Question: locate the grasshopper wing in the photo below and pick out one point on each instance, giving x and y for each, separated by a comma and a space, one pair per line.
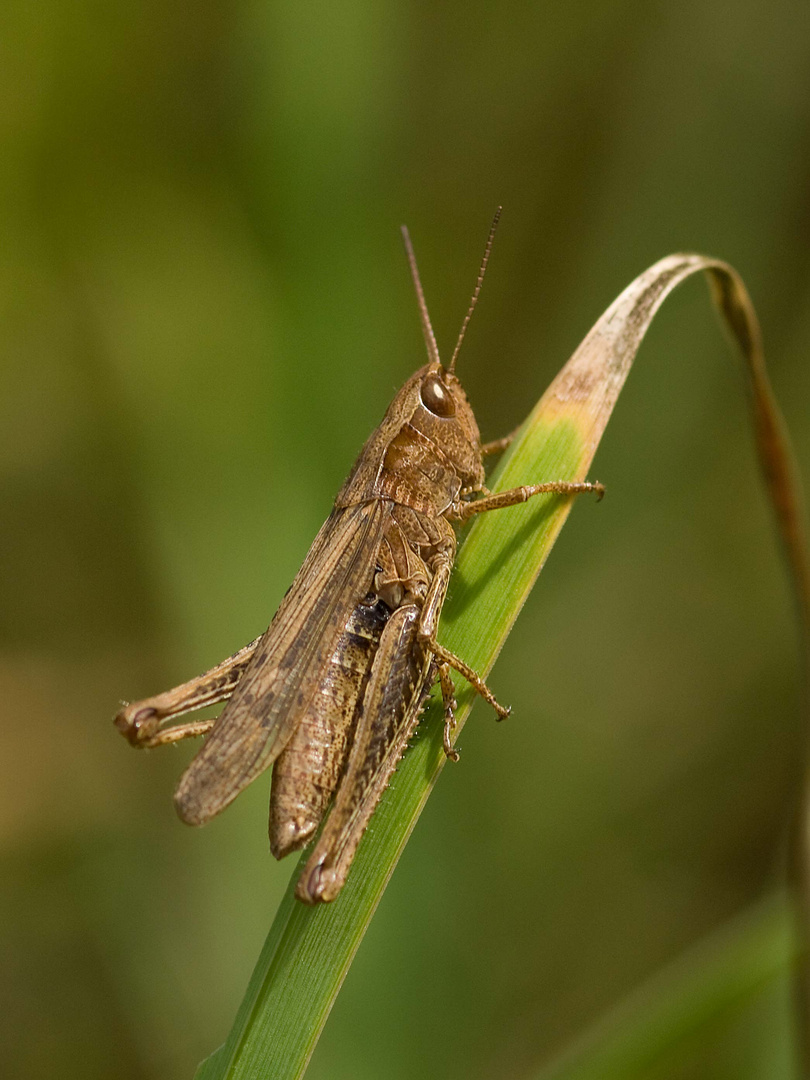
289, 662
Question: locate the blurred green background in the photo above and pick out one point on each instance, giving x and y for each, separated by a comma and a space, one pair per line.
205, 310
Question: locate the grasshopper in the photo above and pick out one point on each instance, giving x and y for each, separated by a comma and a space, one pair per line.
331, 693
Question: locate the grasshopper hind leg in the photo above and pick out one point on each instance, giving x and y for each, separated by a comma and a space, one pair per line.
143, 723
148, 736
401, 674
308, 770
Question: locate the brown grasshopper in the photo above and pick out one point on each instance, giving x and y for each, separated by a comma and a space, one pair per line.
331, 693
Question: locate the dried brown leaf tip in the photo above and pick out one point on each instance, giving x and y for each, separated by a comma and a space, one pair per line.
587, 387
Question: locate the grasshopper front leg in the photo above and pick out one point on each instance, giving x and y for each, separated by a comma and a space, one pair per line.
497, 446
463, 511
142, 722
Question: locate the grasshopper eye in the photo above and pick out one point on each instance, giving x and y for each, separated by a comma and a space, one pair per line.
436, 397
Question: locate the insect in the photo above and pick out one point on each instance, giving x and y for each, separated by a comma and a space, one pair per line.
331, 693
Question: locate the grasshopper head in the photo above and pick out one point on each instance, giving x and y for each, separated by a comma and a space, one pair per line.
444, 414
427, 450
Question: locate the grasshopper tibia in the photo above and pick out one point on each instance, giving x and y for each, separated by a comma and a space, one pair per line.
144, 732
450, 704
514, 496
444, 656
142, 722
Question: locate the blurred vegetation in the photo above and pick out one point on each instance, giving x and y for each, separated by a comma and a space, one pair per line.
204, 311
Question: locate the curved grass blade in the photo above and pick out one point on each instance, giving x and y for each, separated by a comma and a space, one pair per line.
309, 950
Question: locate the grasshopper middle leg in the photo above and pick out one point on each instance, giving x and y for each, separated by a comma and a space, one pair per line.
428, 625
444, 656
442, 565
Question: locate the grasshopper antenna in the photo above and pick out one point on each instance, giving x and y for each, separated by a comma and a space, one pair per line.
478, 285
427, 329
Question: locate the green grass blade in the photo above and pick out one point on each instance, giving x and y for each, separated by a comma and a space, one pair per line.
308, 950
